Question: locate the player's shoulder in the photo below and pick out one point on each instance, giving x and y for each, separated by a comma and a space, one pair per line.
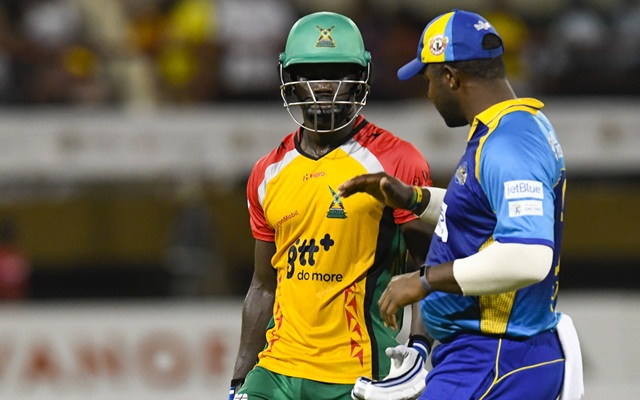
518, 129
377, 138
273, 157
519, 138
522, 121
277, 153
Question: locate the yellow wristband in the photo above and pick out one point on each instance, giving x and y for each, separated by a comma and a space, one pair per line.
416, 199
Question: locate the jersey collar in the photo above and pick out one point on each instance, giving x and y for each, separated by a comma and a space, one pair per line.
360, 123
493, 114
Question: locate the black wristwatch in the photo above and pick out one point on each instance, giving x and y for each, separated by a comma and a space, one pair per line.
424, 278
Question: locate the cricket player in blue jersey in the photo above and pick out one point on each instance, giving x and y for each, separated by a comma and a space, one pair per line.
489, 287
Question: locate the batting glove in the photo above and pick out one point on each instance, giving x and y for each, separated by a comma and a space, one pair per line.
406, 379
235, 386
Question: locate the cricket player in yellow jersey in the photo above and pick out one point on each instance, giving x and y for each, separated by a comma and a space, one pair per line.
310, 323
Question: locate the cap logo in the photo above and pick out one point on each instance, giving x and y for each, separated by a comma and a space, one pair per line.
482, 25
438, 44
325, 39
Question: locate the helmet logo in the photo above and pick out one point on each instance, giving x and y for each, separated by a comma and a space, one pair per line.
325, 39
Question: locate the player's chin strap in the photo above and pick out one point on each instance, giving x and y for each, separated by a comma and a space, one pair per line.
406, 379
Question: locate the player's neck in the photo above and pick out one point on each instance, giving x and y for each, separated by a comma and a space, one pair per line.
317, 144
487, 95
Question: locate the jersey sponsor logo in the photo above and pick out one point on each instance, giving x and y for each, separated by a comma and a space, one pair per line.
303, 254
325, 39
318, 276
313, 175
521, 208
242, 396
286, 218
336, 209
461, 173
438, 44
441, 228
523, 189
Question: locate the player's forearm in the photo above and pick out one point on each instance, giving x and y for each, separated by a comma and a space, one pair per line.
256, 314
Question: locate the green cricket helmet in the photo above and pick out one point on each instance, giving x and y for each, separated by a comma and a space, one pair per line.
324, 37
324, 40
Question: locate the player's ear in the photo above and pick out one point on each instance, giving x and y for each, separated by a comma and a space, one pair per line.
367, 75
363, 75
287, 77
451, 77
289, 90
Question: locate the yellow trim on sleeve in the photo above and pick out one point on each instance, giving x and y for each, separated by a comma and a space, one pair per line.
491, 118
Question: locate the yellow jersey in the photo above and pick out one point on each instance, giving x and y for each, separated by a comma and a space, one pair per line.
334, 256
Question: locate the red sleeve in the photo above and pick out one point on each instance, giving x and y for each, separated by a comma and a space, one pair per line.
401, 159
412, 168
260, 228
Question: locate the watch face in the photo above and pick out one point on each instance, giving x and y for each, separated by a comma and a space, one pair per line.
423, 279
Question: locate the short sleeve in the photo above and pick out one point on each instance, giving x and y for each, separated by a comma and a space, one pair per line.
515, 173
260, 228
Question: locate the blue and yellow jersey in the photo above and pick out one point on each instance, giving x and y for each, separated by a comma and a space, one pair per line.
508, 187
334, 256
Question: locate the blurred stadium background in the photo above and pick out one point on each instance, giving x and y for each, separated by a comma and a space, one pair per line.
127, 131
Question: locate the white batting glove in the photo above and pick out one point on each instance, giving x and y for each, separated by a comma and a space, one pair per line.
406, 379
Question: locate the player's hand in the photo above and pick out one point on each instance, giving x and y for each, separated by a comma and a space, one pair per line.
235, 386
384, 187
406, 379
401, 291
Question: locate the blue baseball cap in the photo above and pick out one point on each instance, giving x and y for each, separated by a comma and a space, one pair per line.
454, 36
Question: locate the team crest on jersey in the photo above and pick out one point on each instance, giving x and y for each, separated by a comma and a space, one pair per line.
325, 39
336, 209
461, 174
438, 44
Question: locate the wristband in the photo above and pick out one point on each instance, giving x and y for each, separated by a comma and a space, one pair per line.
235, 385
420, 343
424, 275
416, 199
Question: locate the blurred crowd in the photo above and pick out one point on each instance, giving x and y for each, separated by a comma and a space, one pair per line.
147, 53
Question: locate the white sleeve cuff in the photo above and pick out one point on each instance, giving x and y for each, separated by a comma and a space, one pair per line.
431, 214
502, 267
